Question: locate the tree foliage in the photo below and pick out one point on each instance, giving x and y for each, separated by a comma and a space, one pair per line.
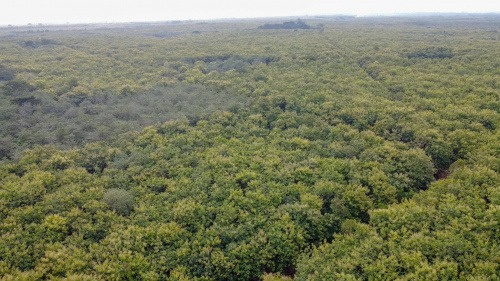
119, 200
216, 151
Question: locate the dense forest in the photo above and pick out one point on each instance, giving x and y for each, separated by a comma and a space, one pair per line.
357, 149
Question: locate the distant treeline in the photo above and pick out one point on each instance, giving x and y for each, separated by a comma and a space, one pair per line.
299, 24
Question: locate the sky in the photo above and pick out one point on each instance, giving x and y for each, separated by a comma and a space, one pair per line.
19, 12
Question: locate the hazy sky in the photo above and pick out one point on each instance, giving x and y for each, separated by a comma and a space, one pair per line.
79, 11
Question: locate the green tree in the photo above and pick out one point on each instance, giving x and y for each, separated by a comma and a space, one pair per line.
119, 200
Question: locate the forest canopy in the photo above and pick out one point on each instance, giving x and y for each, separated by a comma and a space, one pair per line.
366, 149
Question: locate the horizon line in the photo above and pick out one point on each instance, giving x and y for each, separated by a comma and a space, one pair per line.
215, 19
